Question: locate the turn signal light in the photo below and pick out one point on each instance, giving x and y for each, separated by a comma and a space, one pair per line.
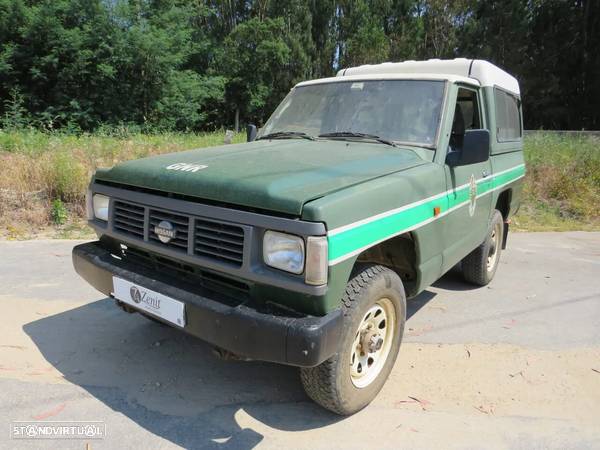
317, 263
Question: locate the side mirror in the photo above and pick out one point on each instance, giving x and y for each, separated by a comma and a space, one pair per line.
475, 149
251, 132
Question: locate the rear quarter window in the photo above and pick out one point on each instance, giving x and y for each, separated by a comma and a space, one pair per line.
508, 116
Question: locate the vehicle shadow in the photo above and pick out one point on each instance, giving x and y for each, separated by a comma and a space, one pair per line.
453, 281
170, 383
414, 304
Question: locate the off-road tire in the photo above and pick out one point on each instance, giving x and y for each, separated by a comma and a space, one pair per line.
475, 265
330, 384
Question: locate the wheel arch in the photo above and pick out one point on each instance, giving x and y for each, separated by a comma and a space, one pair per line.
398, 253
503, 203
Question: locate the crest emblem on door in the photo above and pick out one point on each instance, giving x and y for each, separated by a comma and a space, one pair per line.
472, 195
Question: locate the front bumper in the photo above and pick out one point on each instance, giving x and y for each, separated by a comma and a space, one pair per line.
299, 341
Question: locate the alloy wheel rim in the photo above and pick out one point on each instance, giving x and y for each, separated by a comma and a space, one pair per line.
372, 343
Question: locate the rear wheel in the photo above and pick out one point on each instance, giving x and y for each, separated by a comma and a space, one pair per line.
479, 266
374, 306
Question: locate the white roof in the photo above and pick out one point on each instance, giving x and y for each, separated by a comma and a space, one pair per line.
483, 71
391, 76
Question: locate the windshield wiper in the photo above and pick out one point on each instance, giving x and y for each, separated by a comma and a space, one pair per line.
287, 134
353, 134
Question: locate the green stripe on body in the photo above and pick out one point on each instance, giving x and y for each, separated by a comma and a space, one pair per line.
348, 242
509, 176
355, 238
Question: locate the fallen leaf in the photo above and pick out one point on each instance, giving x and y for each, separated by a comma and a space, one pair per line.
422, 403
52, 412
440, 307
489, 410
510, 324
420, 331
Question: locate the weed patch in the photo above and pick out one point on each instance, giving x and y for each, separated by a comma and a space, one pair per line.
44, 176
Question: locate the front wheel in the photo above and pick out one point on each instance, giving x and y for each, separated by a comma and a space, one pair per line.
479, 266
374, 306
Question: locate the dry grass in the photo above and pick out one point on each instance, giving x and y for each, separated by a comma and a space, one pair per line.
37, 168
562, 186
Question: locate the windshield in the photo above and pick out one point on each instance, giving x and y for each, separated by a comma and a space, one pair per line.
406, 111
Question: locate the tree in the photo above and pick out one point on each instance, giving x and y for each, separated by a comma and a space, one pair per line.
191, 64
254, 55
361, 38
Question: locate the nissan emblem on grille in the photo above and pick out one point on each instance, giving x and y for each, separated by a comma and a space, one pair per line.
165, 231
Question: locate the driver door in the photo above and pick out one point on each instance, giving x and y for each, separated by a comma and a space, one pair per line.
466, 224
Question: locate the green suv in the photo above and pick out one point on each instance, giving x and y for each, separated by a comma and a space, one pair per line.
302, 245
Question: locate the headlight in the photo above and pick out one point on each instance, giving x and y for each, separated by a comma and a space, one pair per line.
100, 206
283, 251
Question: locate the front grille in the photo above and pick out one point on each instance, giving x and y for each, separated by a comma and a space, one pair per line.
129, 219
219, 240
189, 277
180, 224
211, 239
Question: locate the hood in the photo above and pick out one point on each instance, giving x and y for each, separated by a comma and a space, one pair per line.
277, 175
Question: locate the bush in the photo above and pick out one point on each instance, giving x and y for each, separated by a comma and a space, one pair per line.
563, 180
66, 176
562, 185
58, 212
37, 166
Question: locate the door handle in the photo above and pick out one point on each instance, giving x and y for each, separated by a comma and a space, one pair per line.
485, 174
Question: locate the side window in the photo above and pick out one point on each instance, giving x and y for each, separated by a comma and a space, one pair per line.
467, 101
466, 116
508, 116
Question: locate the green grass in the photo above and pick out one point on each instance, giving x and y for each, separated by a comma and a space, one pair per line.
562, 185
116, 144
38, 168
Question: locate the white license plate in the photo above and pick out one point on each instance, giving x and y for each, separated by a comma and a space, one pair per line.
149, 301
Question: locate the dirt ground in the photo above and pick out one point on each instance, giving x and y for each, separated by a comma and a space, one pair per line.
512, 365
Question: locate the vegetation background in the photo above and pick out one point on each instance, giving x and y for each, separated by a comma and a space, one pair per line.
44, 177
194, 65
88, 83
